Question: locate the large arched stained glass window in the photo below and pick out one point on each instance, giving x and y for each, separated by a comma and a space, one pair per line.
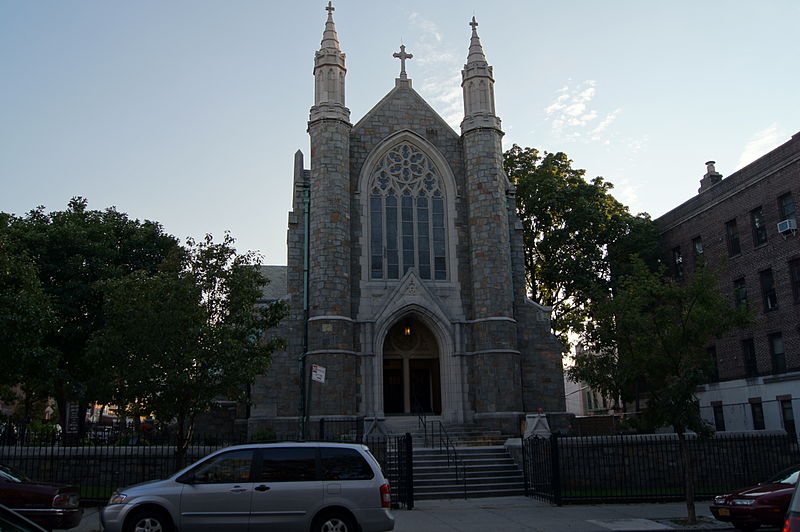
407, 221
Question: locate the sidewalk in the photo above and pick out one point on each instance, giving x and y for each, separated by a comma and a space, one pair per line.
511, 514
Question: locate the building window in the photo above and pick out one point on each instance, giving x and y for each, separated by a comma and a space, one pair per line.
749, 354
759, 229
777, 353
719, 418
677, 263
713, 370
768, 290
794, 279
757, 410
786, 207
697, 248
740, 292
787, 414
732, 235
407, 216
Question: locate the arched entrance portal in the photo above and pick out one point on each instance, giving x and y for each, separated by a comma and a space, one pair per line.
411, 376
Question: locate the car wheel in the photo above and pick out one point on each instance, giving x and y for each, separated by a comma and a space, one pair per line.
147, 520
333, 522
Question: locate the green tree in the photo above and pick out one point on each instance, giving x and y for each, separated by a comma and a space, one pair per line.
568, 225
73, 251
188, 335
649, 337
25, 317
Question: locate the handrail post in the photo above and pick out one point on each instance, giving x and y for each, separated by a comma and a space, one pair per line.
409, 487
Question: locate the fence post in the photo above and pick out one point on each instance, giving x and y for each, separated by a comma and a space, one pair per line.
322, 429
555, 476
409, 487
525, 466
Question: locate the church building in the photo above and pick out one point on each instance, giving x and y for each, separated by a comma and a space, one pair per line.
405, 272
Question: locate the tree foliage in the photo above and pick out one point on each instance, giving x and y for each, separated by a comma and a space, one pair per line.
189, 334
568, 225
25, 314
648, 338
73, 251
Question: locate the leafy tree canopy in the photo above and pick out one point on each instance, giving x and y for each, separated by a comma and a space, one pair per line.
569, 224
189, 334
73, 251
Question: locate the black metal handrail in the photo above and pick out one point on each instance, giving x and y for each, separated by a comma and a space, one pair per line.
439, 433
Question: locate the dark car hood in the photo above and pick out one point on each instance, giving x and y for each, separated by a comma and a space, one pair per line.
765, 489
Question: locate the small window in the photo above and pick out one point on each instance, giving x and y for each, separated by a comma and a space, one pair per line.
768, 293
677, 263
749, 355
227, 468
697, 248
757, 410
732, 235
794, 279
759, 229
719, 418
344, 464
713, 371
740, 292
287, 464
786, 207
777, 353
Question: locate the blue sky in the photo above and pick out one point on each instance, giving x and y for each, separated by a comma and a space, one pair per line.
189, 112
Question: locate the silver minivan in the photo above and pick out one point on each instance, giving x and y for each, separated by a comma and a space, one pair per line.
297, 486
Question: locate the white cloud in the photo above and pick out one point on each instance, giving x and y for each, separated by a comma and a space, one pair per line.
573, 111
760, 143
425, 25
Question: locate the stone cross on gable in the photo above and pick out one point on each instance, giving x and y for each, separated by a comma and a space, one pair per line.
402, 56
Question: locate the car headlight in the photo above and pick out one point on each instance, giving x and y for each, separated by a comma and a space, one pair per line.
743, 502
719, 499
117, 498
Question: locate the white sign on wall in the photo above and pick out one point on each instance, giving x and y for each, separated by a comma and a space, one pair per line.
318, 373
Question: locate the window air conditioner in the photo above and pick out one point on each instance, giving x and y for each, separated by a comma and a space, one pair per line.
790, 224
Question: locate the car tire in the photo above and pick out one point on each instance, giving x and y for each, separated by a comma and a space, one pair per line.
334, 522
148, 520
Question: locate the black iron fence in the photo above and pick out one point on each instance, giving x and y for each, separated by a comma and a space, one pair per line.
635, 468
120, 456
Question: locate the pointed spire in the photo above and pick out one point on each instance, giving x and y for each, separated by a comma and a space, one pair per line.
330, 40
329, 74
477, 82
475, 49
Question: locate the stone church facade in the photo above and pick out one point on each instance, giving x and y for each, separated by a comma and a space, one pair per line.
405, 273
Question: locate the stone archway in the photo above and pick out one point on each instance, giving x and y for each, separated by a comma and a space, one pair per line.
411, 371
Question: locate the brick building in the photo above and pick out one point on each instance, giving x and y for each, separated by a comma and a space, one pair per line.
405, 272
745, 225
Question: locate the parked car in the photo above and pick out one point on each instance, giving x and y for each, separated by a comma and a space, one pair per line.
764, 504
792, 523
298, 486
11, 521
49, 505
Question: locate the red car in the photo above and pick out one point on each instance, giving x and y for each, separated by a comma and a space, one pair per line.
764, 504
49, 505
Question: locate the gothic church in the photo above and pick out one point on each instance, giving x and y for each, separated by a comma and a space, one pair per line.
405, 272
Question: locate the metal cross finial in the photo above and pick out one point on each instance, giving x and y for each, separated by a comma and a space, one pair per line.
402, 56
474, 23
330, 9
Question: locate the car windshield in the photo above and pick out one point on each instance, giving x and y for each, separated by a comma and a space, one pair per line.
787, 476
10, 475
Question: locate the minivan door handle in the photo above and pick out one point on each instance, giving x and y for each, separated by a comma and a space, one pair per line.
262, 487
237, 489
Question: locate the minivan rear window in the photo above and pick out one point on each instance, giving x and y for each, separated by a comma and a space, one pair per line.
340, 463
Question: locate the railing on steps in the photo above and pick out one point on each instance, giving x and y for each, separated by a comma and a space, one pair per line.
436, 436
